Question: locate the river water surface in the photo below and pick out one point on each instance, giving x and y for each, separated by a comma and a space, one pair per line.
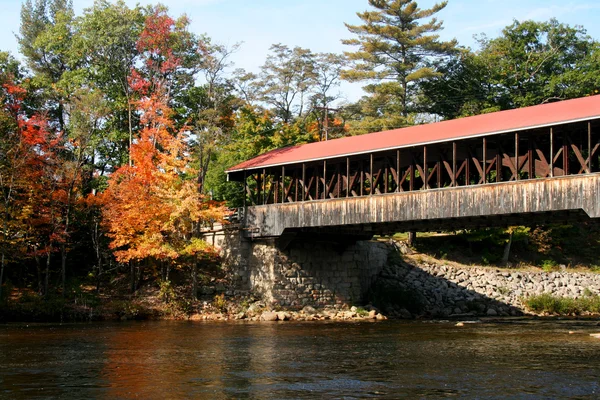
289, 360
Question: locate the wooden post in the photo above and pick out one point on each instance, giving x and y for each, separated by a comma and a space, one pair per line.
498, 161
484, 174
565, 155
339, 181
303, 181
245, 189
362, 177
397, 170
283, 184
551, 152
296, 185
264, 188
517, 168
589, 160
325, 188
425, 169
468, 169
530, 161
371, 176
317, 191
258, 188
411, 183
347, 176
454, 180
276, 186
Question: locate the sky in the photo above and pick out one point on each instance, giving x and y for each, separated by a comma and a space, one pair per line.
319, 24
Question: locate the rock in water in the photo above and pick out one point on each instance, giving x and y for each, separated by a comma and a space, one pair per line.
269, 316
309, 310
492, 312
595, 335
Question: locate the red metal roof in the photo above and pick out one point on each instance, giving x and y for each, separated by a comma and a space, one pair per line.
481, 125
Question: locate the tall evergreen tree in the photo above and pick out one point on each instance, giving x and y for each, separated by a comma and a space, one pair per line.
394, 50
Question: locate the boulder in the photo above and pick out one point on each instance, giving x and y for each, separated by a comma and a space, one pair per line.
269, 316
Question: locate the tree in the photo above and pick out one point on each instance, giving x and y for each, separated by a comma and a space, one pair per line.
208, 109
394, 49
105, 39
530, 63
152, 209
45, 41
287, 78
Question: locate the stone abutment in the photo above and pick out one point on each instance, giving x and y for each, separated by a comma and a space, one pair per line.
316, 272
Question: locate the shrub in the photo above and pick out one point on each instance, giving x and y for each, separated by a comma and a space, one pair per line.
563, 305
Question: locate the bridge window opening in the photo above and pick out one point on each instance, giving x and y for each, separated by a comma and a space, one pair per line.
594, 146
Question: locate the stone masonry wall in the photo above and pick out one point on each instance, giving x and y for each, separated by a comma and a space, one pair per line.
444, 290
319, 274
306, 273
315, 274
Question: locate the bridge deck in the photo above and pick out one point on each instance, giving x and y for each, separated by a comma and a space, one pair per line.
575, 196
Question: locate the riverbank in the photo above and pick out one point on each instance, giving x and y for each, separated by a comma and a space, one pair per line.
410, 285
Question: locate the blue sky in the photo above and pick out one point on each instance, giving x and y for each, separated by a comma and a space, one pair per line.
319, 24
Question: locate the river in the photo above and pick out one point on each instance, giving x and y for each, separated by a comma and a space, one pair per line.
289, 360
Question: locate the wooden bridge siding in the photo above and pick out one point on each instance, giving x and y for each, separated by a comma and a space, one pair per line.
577, 192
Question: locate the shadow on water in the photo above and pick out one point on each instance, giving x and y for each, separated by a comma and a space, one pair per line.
392, 359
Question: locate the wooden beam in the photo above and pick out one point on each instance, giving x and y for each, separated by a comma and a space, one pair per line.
589, 138
530, 161
551, 152
518, 168
425, 170
484, 178
347, 176
372, 189
303, 181
398, 170
264, 182
245, 188
283, 194
454, 180
565, 154
498, 161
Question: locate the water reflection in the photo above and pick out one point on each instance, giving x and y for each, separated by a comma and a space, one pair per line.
299, 360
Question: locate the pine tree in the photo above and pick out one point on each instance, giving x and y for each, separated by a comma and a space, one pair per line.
394, 53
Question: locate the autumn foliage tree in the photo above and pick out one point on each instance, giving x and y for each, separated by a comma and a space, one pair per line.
152, 207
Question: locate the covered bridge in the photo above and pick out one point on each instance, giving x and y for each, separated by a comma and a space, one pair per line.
447, 159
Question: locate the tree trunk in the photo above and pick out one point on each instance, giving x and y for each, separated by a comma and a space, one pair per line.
129, 126
63, 268
47, 277
507, 248
1, 275
195, 281
38, 267
412, 238
132, 274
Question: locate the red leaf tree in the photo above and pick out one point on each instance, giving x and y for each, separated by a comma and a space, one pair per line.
152, 208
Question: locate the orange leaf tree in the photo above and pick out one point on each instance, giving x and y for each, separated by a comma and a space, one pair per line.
152, 207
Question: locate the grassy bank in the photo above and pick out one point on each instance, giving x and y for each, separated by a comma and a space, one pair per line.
549, 304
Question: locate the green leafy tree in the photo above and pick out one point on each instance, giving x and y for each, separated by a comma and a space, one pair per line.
45, 41
394, 52
530, 63
105, 40
287, 78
